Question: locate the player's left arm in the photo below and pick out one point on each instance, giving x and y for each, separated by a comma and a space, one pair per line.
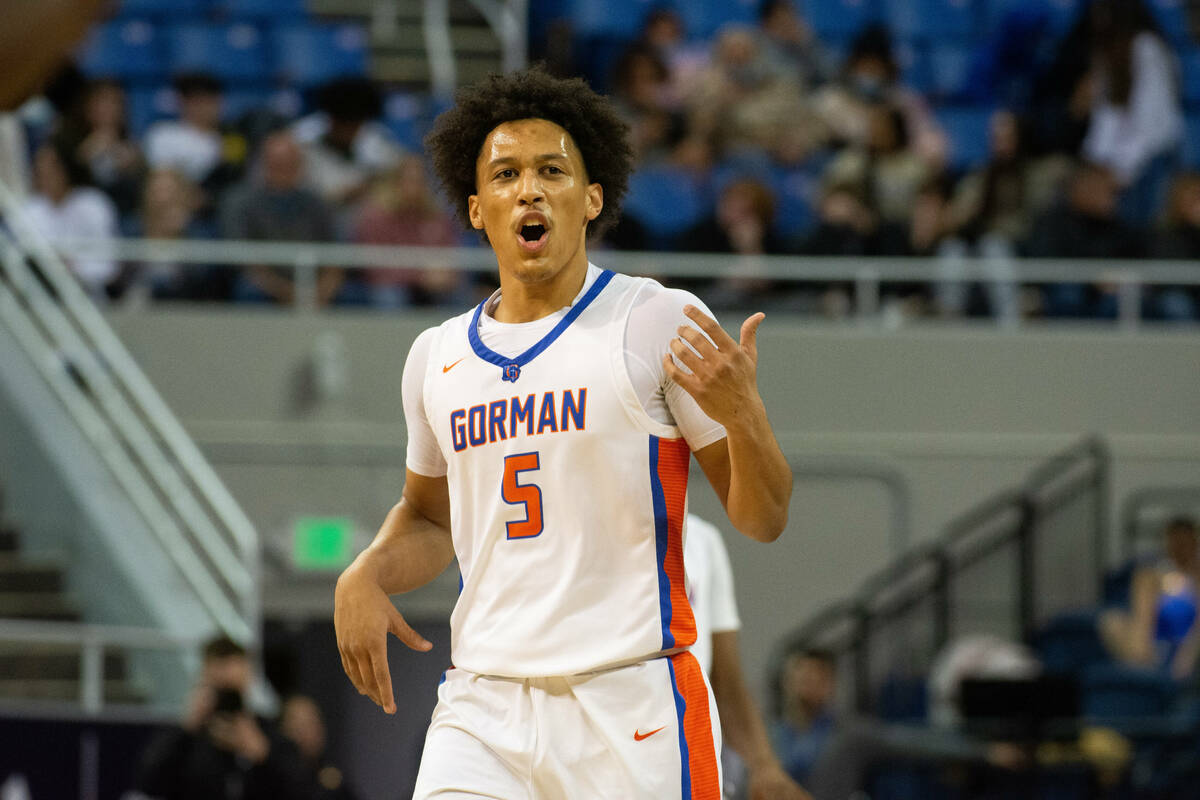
747, 469
742, 724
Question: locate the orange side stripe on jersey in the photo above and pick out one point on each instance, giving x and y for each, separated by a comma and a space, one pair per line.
674, 456
697, 726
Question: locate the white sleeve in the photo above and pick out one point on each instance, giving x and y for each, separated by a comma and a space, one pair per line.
424, 456
654, 319
723, 601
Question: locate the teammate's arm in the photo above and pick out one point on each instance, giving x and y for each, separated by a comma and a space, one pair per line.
412, 548
743, 726
746, 469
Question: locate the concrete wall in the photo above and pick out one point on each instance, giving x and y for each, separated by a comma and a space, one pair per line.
959, 411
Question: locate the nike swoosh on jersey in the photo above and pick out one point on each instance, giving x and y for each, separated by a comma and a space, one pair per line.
446, 369
638, 735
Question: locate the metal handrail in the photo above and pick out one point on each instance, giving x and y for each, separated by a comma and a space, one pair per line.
141, 416
92, 641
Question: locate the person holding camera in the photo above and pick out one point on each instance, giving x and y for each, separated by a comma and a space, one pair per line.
222, 751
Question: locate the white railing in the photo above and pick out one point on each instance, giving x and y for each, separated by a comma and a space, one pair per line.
93, 642
158, 466
866, 274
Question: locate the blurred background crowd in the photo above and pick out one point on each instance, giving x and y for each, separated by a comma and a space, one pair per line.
942, 129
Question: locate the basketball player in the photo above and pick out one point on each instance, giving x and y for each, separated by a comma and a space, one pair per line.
550, 432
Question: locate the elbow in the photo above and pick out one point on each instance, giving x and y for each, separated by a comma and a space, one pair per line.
767, 528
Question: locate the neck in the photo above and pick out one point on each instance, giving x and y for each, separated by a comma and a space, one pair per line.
522, 301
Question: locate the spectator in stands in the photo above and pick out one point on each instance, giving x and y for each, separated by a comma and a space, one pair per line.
1159, 628
345, 146
98, 138
742, 102
196, 144
1087, 226
871, 76
1180, 240
742, 224
278, 209
170, 204
1136, 124
402, 209
790, 43
641, 93
64, 207
664, 33
222, 750
847, 226
884, 165
807, 686
302, 723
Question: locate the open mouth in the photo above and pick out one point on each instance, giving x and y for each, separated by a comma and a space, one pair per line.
533, 237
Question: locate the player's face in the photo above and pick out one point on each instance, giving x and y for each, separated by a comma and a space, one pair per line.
533, 199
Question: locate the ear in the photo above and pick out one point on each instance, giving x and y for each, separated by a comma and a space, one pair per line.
595, 200
473, 212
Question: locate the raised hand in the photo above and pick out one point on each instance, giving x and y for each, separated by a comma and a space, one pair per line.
720, 374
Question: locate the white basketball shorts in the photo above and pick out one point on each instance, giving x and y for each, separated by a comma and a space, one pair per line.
646, 731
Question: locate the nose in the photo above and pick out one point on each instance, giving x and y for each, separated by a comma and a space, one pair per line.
529, 188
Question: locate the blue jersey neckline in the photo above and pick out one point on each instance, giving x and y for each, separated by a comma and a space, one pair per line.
511, 367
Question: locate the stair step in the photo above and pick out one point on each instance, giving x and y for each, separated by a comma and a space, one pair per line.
31, 576
37, 605
53, 662
115, 691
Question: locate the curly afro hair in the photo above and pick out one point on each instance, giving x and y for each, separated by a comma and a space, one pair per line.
600, 134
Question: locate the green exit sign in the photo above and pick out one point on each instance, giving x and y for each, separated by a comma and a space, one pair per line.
322, 542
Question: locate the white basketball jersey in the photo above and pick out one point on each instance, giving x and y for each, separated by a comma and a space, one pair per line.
567, 500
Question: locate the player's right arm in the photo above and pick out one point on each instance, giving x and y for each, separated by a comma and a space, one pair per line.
412, 548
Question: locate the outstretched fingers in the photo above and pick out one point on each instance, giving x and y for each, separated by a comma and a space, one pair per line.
710, 326
749, 336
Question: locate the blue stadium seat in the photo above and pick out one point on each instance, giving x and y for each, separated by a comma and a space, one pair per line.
1171, 15
620, 18
968, 129
667, 201
307, 55
1069, 643
1060, 14
406, 115
173, 9
1112, 692
797, 194
264, 9
130, 49
237, 102
703, 18
147, 105
234, 52
839, 19
1191, 140
913, 60
949, 66
1190, 63
932, 19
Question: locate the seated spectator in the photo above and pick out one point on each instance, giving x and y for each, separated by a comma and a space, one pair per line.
664, 33
402, 209
302, 723
170, 203
1136, 122
196, 144
807, 688
222, 750
790, 44
345, 145
641, 87
869, 77
64, 207
98, 138
1179, 240
884, 166
1087, 226
847, 226
279, 209
742, 101
1158, 629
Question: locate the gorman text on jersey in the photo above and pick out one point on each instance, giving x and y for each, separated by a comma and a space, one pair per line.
553, 412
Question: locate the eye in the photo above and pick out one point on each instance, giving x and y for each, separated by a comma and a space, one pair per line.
555, 170
506, 173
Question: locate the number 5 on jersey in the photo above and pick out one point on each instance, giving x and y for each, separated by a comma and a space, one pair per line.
528, 495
